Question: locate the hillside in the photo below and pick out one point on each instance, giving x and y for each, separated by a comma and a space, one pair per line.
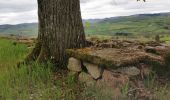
25, 29
144, 24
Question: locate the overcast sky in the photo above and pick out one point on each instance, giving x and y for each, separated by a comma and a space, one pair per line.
25, 11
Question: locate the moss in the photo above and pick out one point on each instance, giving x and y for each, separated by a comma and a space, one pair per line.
112, 59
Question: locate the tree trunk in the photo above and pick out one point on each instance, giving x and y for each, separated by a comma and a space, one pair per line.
60, 28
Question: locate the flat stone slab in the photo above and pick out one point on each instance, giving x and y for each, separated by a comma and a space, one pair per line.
114, 58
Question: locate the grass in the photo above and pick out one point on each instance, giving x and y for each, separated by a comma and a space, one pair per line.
163, 93
135, 25
35, 82
11, 54
125, 89
99, 93
150, 81
39, 82
25, 83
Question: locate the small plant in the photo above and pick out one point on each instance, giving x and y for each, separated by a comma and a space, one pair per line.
150, 81
125, 89
157, 38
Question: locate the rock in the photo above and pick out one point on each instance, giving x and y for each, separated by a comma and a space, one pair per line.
94, 70
86, 78
130, 71
113, 58
160, 47
73, 73
108, 45
145, 70
74, 65
112, 80
150, 49
126, 44
157, 49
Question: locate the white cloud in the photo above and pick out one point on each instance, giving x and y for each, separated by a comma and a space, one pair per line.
112, 8
23, 11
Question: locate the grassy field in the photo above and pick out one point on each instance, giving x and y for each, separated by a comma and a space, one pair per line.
37, 82
30, 83
144, 25
40, 82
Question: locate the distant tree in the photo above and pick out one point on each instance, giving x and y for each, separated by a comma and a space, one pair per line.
87, 24
142, 0
60, 28
157, 38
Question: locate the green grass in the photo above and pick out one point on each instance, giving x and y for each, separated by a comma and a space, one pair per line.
11, 54
39, 82
35, 82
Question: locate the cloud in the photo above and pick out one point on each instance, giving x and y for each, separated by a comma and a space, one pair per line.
22, 11
8, 6
84, 1
111, 8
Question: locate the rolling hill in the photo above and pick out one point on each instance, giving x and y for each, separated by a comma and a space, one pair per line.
142, 24
25, 29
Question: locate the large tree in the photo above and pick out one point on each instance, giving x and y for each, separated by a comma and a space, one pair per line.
60, 28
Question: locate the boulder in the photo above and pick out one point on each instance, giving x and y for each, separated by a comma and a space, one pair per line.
130, 71
157, 49
86, 78
74, 65
112, 80
94, 70
145, 70
150, 49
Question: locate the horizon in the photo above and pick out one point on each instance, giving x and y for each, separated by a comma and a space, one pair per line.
23, 11
97, 18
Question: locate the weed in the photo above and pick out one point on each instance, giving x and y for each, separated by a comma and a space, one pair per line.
150, 81
125, 89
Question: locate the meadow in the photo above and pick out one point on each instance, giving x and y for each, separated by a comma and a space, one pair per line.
37, 82
135, 25
41, 82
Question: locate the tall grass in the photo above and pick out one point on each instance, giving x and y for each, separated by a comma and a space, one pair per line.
30, 82
10, 54
27, 83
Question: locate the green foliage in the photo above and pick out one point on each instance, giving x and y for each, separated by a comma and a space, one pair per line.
87, 24
125, 89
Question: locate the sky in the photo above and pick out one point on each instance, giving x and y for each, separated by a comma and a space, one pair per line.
25, 11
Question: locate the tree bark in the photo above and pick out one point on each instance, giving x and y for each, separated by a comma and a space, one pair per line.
60, 28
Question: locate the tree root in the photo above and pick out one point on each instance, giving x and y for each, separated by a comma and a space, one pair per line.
43, 56
34, 54
39, 54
